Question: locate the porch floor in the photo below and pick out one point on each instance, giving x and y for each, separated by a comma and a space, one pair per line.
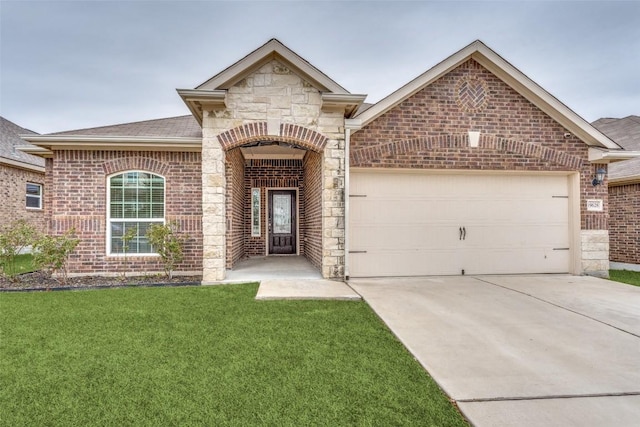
256, 269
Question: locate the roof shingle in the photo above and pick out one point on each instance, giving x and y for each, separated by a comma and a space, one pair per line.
10, 139
181, 126
626, 133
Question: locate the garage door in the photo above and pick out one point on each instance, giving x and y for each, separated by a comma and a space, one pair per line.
413, 224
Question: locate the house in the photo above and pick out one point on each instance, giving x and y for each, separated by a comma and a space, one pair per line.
471, 168
624, 193
21, 179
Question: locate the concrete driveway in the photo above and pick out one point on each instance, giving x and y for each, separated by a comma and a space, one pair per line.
544, 350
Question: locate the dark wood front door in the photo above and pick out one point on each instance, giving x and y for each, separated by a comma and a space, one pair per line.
282, 222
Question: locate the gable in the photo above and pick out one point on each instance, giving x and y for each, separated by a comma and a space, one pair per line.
430, 129
272, 50
510, 76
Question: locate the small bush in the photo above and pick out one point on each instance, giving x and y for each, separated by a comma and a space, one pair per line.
52, 253
13, 240
167, 244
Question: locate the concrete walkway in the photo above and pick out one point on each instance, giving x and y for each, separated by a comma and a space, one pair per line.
548, 350
305, 289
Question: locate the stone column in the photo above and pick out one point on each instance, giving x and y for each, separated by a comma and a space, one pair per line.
595, 252
333, 194
213, 203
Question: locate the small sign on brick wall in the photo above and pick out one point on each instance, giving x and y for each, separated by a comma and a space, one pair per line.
595, 205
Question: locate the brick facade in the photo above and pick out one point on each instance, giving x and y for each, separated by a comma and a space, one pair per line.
78, 199
624, 223
313, 208
13, 194
430, 130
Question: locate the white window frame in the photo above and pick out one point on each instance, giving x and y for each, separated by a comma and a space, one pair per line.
124, 220
38, 197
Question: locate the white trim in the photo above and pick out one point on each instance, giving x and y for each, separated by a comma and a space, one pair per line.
108, 253
45, 144
349, 126
40, 196
512, 77
613, 265
597, 155
266, 220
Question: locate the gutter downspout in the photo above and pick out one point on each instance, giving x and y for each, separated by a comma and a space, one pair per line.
349, 126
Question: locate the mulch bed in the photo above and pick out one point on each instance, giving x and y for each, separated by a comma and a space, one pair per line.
39, 281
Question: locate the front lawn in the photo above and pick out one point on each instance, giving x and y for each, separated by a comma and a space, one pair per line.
205, 356
625, 276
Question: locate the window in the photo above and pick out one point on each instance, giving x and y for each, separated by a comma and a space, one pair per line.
34, 196
255, 212
136, 200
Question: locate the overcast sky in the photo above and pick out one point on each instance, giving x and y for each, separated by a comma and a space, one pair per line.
76, 64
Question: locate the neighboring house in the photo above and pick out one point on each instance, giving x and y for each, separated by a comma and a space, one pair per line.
624, 193
471, 168
21, 179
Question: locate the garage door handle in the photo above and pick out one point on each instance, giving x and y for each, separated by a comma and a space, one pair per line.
460, 238
464, 233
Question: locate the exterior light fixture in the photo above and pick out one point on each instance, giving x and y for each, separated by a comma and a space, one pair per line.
599, 179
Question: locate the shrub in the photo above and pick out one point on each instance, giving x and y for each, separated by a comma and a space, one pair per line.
52, 252
13, 240
167, 244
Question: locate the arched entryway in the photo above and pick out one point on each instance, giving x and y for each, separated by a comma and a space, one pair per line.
274, 194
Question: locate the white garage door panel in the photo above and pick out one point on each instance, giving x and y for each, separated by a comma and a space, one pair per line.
404, 224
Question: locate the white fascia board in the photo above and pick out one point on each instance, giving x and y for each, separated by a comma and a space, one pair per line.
88, 142
199, 97
343, 101
21, 165
597, 155
261, 55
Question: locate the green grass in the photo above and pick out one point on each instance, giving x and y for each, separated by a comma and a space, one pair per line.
625, 276
22, 264
205, 356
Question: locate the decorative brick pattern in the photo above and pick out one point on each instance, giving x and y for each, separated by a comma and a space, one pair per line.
257, 131
624, 223
13, 194
414, 152
78, 199
429, 130
471, 94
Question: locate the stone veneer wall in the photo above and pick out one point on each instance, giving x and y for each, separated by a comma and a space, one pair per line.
77, 199
313, 208
276, 104
429, 130
265, 174
13, 195
624, 223
235, 200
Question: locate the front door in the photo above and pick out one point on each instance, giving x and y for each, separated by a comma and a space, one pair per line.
282, 222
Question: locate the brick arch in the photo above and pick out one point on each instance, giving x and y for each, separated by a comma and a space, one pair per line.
257, 131
135, 163
490, 142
